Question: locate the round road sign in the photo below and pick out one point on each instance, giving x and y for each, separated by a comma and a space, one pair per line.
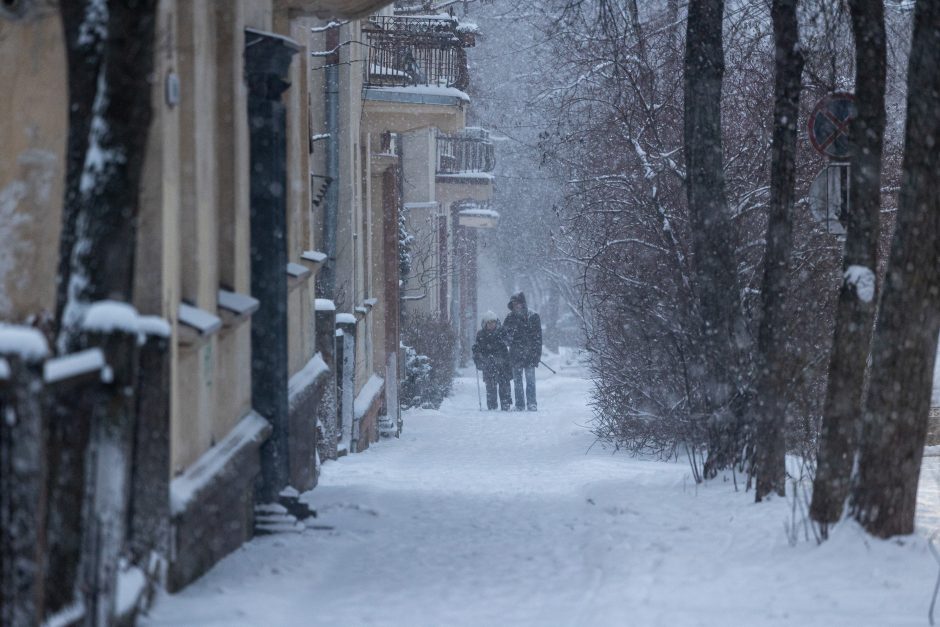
829, 124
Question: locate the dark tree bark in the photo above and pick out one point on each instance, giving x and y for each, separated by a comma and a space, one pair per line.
110, 49
770, 400
894, 421
856, 308
85, 48
100, 221
713, 232
22, 492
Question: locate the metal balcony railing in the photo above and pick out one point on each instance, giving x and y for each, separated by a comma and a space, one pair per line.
465, 152
415, 50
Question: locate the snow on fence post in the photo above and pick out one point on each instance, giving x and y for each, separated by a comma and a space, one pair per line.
327, 415
346, 324
112, 327
149, 509
22, 476
73, 384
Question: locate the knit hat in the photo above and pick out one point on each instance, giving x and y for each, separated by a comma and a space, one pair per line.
489, 316
517, 298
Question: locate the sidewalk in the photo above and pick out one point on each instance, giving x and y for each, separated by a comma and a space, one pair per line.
491, 518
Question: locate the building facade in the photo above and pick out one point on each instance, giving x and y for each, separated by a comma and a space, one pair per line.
290, 141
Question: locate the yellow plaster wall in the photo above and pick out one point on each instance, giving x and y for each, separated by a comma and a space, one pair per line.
33, 134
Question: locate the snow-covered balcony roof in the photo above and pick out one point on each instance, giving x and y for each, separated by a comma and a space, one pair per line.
478, 218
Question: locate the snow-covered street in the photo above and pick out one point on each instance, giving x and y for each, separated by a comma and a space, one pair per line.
491, 518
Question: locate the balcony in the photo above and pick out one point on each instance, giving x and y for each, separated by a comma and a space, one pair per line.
468, 154
412, 51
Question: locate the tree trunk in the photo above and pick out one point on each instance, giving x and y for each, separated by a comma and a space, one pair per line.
771, 394
894, 421
99, 229
713, 232
856, 308
85, 48
110, 50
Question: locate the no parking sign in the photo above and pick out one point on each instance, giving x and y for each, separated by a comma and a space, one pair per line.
828, 124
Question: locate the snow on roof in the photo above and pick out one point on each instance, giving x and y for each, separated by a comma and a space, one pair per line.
367, 395
26, 343
313, 255
108, 316
198, 319
345, 318
237, 303
433, 204
468, 27
306, 376
324, 304
73, 365
417, 94
489, 213
187, 487
371, 302
468, 175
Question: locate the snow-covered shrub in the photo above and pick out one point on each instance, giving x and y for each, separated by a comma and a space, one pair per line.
429, 346
417, 375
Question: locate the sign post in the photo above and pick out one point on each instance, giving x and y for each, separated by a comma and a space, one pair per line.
828, 124
828, 130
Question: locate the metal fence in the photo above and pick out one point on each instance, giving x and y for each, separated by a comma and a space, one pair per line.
406, 51
470, 151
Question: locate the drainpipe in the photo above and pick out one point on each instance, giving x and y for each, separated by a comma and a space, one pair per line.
327, 282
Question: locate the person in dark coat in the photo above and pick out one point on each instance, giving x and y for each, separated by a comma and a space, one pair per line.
524, 330
491, 355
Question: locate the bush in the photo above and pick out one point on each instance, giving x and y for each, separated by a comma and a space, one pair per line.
429, 345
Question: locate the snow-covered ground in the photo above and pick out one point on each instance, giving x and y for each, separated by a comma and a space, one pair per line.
491, 518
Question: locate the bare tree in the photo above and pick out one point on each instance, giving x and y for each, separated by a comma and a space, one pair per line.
904, 345
714, 234
855, 311
770, 395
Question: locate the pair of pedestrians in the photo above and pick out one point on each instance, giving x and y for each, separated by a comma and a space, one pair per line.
512, 349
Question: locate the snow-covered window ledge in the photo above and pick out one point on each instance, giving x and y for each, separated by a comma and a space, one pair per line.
297, 275
313, 260
196, 325
235, 308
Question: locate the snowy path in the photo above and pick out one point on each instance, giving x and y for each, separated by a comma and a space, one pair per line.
488, 518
